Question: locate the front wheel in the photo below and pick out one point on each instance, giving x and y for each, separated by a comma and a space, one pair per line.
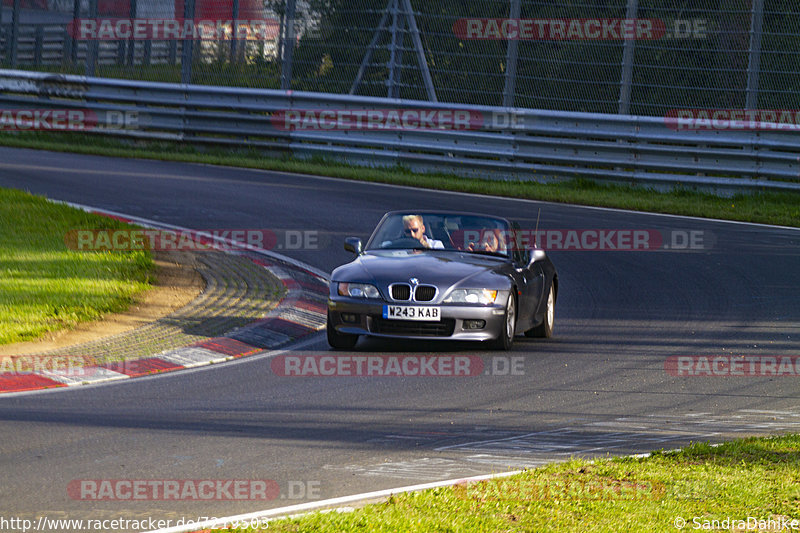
506, 337
339, 341
545, 329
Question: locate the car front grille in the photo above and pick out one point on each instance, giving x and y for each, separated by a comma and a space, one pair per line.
420, 293
443, 328
424, 293
401, 291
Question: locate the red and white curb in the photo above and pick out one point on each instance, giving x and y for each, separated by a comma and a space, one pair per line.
300, 312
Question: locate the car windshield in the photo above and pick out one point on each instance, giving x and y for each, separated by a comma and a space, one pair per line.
442, 231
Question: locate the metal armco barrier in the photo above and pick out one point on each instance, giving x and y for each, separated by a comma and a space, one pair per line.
480, 141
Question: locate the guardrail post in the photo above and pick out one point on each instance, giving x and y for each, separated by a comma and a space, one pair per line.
754, 59
93, 45
288, 46
627, 64
188, 46
511, 60
12, 48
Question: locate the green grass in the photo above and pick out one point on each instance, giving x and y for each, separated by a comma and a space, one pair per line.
755, 477
765, 207
44, 286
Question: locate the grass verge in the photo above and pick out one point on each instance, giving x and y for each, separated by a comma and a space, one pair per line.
752, 483
781, 208
44, 286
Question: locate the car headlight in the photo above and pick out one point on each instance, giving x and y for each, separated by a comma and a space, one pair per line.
358, 290
472, 296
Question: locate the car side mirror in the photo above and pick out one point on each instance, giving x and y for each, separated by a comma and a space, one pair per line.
537, 255
353, 245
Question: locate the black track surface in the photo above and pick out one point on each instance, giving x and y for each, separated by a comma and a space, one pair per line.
599, 386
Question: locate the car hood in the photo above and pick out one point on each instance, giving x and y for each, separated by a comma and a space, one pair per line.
440, 268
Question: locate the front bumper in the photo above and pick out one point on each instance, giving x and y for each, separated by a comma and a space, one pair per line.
365, 317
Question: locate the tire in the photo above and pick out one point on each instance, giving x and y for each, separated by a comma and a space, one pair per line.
545, 329
339, 341
506, 338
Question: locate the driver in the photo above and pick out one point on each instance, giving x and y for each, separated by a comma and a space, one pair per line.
414, 227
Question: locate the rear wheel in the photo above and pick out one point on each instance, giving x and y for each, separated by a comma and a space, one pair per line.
545, 329
339, 341
506, 337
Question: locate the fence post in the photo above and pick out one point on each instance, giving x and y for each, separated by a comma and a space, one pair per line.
131, 44
393, 51
93, 45
627, 63
417, 41
399, 42
188, 45
38, 44
12, 49
370, 49
754, 59
73, 41
288, 46
234, 16
511, 61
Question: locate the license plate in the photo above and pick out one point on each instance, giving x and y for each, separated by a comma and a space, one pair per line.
411, 312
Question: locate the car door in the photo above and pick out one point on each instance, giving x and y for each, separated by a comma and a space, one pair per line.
530, 279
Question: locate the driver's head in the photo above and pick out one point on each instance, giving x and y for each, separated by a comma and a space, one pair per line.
414, 227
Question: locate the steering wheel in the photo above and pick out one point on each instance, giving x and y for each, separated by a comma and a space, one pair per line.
404, 242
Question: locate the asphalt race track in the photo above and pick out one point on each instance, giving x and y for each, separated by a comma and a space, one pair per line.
600, 386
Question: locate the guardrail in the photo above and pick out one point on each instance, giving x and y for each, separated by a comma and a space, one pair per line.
494, 142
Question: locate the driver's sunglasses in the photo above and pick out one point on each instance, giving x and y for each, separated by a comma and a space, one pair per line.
409, 231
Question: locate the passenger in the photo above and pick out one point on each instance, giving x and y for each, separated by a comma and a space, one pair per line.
492, 241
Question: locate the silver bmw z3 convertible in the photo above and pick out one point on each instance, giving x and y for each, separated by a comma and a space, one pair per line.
443, 275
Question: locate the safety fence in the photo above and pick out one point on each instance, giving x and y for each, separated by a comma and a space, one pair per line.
637, 57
